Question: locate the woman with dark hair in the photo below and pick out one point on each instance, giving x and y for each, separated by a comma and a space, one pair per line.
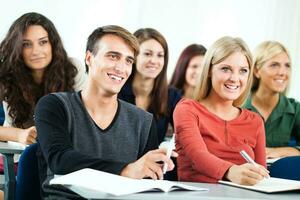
147, 87
188, 69
33, 63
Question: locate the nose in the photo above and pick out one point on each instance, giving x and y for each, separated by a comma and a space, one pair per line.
35, 49
234, 77
283, 70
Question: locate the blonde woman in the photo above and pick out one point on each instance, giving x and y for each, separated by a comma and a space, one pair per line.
272, 71
211, 128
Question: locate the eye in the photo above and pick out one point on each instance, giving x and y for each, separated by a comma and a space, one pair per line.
113, 56
274, 65
26, 44
244, 71
43, 42
147, 54
226, 69
129, 61
287, 65
161, 55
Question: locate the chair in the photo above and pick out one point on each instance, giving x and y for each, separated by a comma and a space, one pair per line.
287, 168
28, 184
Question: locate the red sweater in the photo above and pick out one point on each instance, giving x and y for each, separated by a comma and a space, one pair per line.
208, 145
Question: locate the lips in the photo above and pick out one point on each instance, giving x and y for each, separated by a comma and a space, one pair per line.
37, 59
231, 87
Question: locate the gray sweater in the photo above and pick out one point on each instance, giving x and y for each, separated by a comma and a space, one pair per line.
70, 140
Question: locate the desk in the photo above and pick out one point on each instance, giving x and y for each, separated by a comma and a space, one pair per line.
216, 192
8, 150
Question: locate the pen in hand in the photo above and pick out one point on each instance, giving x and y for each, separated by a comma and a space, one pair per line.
249, 159
169, 152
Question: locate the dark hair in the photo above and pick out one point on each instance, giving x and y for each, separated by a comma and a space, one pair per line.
17, 85
98, 33
178, 78
159, 95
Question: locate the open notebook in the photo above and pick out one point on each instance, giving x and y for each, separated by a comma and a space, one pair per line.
91, 183
269, 185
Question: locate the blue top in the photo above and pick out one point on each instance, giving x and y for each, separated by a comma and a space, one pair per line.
1, 114
162, 122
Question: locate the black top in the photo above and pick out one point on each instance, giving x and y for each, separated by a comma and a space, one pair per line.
174, 95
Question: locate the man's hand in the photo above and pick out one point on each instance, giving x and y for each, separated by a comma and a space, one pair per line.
150, 165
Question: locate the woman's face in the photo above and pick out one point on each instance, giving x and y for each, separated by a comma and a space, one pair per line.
193, 71
150, 60
275, 73
229, 78
37, 50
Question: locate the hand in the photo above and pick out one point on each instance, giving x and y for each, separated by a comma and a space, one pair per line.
27, 136
149, 165
281, 152
246, 174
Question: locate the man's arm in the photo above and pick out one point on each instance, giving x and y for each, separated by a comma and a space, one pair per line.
56, 145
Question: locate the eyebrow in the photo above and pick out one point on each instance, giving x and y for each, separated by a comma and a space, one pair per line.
118, 53
42, 38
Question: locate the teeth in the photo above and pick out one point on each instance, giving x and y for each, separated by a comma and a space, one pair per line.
115, 77
279, 81
231, 87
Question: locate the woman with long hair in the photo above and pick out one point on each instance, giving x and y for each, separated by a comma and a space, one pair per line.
272, 72
188, 69
33, 63
147, 86
210, 129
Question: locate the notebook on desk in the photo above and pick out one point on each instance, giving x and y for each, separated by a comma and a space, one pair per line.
270, 185
93, 184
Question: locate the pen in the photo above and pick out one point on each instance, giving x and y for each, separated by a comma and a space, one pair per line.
169, 152
248, 158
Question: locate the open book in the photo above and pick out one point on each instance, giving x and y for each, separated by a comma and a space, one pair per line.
92, 184
269, 185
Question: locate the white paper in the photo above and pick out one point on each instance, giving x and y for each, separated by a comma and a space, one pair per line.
269, 185
91, 183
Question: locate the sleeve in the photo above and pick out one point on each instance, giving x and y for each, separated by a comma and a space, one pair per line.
81, 76
296, 129
260, 148
56, 145
7, 118
152, 142
192, 145
174, 98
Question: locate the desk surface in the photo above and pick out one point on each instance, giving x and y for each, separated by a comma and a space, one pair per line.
10, 148
216, 192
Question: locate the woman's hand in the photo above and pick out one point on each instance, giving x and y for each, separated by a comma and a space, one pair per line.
246, 174
27, 136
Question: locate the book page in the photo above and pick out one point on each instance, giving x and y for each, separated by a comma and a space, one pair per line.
269, 185
102, 182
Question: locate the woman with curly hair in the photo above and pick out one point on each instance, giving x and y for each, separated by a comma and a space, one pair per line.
33, 63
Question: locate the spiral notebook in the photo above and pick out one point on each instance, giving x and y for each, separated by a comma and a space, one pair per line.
92, 184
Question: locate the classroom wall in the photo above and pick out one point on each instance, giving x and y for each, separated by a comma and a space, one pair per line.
182, 22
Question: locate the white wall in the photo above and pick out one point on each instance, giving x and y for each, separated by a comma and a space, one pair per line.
182, 22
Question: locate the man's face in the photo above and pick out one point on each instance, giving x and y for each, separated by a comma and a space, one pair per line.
111, 66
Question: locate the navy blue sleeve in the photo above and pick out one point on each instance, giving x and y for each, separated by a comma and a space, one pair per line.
56, 145
173, 98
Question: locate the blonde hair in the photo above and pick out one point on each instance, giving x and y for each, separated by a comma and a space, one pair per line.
264, 52
218, 52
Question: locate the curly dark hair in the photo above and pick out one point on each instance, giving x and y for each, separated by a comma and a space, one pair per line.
17, 85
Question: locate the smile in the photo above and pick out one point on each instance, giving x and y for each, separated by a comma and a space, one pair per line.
115, 77
231, 87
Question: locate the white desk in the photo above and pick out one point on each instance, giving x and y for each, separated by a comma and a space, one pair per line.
8, 150
216, 192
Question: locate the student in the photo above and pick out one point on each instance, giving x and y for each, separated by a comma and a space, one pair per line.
272, 71
188, 69
94, 129
33, 62
210, 129
147, 86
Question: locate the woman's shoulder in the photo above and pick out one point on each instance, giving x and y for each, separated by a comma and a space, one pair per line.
174, 95
251, 116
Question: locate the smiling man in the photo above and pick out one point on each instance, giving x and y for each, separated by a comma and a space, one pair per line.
93, 128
